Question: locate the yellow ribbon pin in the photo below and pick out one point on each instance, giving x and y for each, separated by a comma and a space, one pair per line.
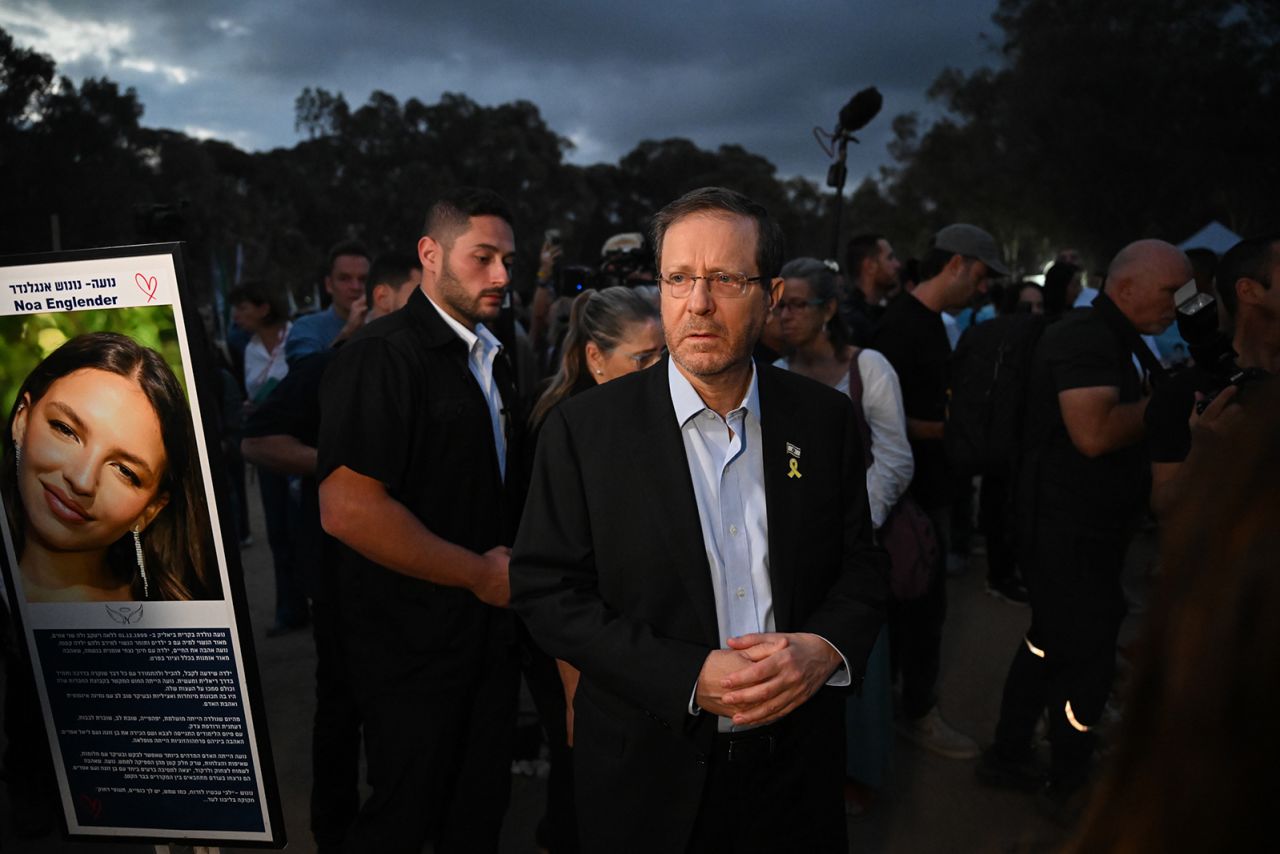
795, 468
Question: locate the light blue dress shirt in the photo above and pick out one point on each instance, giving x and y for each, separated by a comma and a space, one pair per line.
727, 469
728, 483
312, 333
482, 349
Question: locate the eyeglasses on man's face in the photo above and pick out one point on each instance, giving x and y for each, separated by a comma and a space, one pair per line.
727, 285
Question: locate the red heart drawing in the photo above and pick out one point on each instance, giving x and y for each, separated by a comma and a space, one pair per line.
93, 805
148, 286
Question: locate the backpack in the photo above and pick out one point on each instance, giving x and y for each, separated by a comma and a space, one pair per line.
990, 379
907, 534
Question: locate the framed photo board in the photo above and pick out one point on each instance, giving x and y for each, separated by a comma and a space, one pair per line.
125, 591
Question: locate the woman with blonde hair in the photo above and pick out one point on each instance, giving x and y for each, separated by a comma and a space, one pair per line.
611, 332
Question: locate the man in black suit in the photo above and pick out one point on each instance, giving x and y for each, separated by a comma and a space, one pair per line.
416, 484
697, 543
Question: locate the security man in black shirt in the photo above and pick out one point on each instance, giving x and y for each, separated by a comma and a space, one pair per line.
417, 484
1082, 486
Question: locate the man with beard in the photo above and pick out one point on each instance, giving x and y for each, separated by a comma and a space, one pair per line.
871, 274
417, 484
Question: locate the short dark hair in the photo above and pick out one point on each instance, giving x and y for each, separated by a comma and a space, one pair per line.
1248, 259
770, 244
346, 247
256, 291
822, 281
390, 268
859, 248
452, 212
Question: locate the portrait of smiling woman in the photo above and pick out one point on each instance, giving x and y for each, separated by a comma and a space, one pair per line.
100, 479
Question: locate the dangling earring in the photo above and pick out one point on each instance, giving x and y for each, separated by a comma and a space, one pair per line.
17, 449
142, 564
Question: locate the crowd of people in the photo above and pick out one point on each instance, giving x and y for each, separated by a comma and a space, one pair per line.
705, 500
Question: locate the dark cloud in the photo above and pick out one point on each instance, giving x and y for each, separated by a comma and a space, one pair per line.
751, 72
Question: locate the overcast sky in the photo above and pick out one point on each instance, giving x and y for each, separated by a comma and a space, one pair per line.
606, 75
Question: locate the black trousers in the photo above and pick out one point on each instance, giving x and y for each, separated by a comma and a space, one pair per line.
783, 792
915, 632
996, 519
438, 730
558, 829
1067, 661
282, 513
335, 736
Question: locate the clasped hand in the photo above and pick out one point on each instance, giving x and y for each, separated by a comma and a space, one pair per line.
763, 677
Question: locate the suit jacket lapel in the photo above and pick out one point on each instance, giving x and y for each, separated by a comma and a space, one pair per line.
782, 505
667, 495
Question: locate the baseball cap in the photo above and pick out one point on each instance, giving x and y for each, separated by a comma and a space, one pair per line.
971, 242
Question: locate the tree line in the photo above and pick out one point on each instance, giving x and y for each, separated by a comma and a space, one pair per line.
1097, 123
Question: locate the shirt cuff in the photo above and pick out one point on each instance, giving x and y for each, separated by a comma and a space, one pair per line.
694, 708
842, 677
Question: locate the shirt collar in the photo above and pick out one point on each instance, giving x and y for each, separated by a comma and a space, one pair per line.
483, 335
688, 402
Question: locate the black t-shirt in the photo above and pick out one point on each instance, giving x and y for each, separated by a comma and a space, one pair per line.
1088, 347
860, 316
914, 339
1169, 412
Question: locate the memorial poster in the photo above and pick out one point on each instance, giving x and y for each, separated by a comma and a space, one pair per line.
130, 607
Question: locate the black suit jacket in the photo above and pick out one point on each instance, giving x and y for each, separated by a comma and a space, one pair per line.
610, 573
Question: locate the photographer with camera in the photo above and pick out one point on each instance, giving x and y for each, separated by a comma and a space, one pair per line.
1199, 398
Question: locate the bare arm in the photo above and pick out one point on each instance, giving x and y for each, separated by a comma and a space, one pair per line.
359, 511
1166, 486
1098, 423
355, 320
917, 429
569, 678
280, 452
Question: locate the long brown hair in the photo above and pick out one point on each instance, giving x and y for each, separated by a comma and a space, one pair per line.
601, 317
178, 544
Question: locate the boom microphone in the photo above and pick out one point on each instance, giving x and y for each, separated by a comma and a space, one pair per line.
860, 110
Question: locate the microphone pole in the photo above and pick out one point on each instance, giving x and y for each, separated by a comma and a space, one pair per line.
855, 115
836, 175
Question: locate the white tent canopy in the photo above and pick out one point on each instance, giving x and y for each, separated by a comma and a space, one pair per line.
1215, 236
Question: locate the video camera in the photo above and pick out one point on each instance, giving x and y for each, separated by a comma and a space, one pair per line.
573, 279
1198, 325
624, 260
